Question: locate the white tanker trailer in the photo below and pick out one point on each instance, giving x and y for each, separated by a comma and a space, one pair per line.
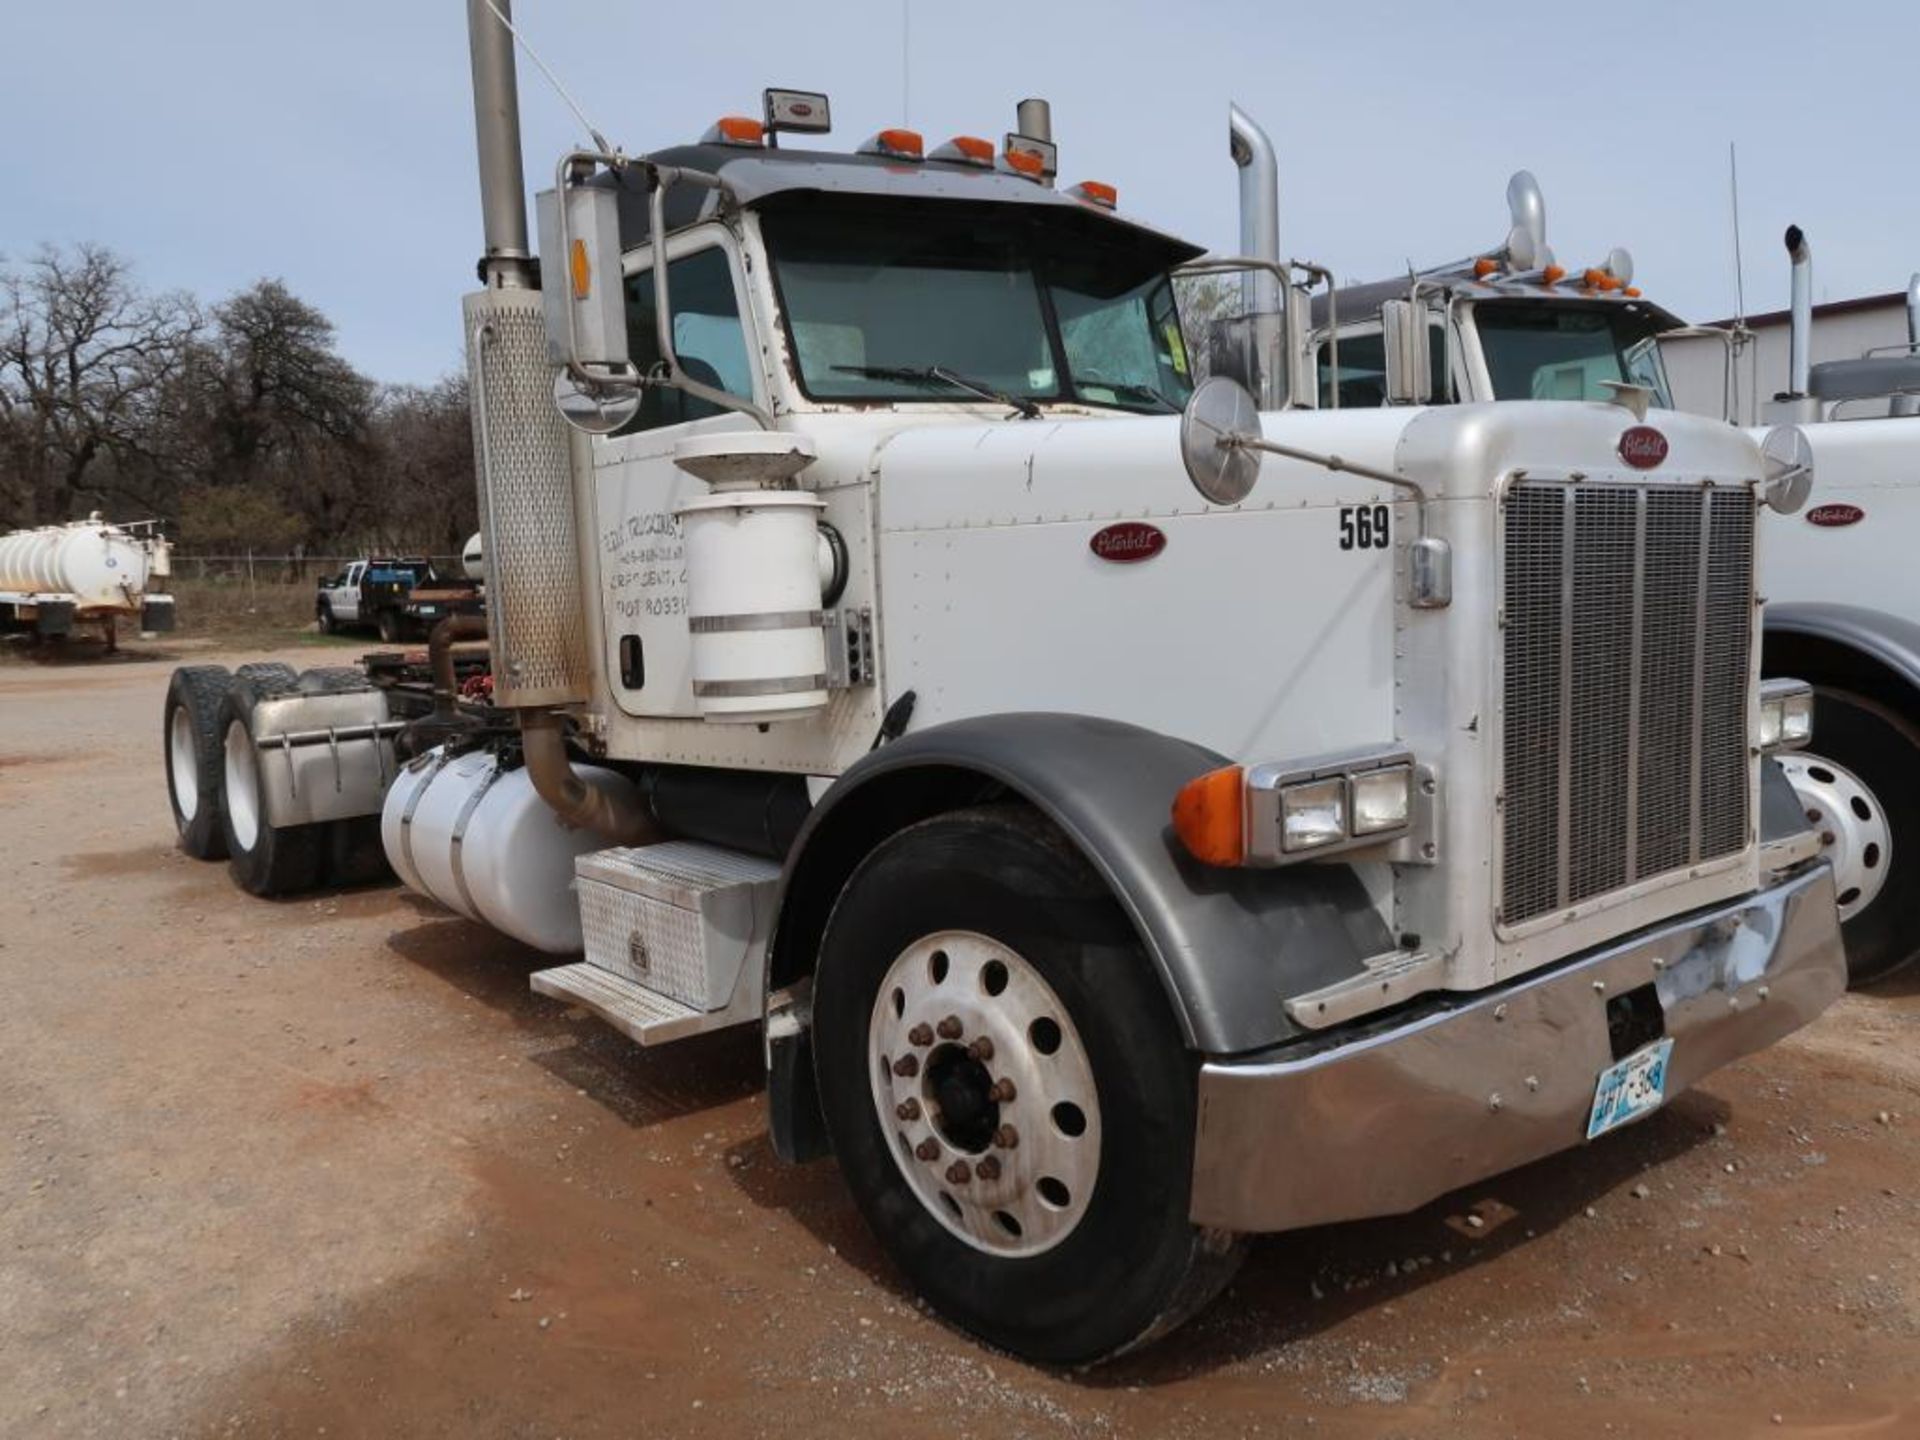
59, 578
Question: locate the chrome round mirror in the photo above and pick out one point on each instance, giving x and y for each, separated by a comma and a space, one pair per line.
1220, 407
1787, 460
597, 411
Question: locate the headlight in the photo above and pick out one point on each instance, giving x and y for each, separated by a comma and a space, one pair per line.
1313, 814
1786, 715
1276, 814
1382, 800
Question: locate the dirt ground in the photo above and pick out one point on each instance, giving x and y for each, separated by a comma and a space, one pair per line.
326, 1167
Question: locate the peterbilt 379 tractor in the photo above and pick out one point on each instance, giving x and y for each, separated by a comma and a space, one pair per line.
1511, 323
1137, 820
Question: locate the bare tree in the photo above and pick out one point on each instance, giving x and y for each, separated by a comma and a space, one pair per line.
84, 355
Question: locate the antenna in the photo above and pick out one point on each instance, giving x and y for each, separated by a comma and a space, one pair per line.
906, 62
599, 140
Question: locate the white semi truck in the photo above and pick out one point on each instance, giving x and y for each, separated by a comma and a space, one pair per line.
1136, 819
1511, 323
89, 574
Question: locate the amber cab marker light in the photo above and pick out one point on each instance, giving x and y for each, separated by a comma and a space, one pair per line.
1553, 274
1484, 267
966, 150
1026, 162
1209, 816
737, 130
1098, 192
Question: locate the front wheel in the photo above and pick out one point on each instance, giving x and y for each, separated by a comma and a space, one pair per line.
390, 628
1859, 793
328, 625
1007, 1092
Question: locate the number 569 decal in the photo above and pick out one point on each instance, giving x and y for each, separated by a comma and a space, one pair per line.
1364, 527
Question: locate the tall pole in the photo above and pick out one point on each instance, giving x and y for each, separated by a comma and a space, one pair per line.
507, 261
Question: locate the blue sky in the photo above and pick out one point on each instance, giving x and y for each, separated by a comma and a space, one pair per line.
215, 141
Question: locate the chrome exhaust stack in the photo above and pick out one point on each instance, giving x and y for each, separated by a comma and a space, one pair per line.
536, 622
1262, 291
1910, 404
1800, 332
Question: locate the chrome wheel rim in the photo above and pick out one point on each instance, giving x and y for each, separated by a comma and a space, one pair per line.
1854, 834
183, 764
243, 786
984, 1088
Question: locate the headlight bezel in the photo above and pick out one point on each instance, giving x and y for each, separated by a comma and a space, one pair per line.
1273, 791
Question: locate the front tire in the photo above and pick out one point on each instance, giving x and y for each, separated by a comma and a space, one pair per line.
191, 741
982, 1006
265, 859
328, 625
1858, 780
390, 629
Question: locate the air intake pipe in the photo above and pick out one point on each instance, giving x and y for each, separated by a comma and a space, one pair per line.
1262, 291
1800, 331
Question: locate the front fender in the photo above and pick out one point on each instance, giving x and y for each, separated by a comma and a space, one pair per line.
1891, 642
1230, 946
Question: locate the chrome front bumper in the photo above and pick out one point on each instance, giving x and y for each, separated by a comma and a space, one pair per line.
1387, 1121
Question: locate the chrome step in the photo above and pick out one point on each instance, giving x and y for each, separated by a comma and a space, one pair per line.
641, 1014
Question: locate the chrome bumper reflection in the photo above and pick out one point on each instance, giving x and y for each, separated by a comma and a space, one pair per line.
1385, 1123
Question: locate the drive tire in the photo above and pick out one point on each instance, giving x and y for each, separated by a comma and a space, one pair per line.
190, 741
1132, 1266
265, 859
1882, 748
273, 674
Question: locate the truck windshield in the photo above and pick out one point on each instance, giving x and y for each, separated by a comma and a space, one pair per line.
1564, 352
875, 296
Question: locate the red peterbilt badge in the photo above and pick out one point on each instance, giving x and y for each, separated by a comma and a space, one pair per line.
1128, 541
1643, 447
1835, 515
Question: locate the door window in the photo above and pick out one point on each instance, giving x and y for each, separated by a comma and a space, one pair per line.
707, 337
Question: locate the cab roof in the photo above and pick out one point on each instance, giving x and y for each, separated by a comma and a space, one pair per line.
755, 175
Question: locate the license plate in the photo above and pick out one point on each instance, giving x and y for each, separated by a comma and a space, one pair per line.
429, 609
1630, 1089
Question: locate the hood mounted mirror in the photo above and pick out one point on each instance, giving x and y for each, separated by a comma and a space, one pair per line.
1219, 409
1787, 464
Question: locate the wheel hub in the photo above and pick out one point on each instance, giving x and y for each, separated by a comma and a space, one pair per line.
1854, 834
982, 1081
183, 751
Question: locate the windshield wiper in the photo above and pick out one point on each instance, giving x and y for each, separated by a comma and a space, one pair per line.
1124, 387
939, 374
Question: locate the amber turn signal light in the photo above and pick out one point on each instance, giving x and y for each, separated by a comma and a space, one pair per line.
1209, 816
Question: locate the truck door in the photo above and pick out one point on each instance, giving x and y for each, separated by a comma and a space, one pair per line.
346, 600
643, 594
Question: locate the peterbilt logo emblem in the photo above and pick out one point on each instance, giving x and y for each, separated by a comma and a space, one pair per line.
800, 108
1835, 515
1128, 541
1643, 447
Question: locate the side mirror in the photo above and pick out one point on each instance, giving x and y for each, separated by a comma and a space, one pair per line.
1787, 464
582, 291
1219, 408
1405, 336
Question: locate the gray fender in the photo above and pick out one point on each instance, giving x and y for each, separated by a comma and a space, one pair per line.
1229, 945
1847, 646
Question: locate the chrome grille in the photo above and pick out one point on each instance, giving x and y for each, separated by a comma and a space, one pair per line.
1628, 612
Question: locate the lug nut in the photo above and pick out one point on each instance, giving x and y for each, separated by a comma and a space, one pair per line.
928, 1149
959, 1173
1813, 816
908, 1109
921, 1034
1001, 1092
987, 1169
907, 1066
981, 1049
1826, 837
949, 1028
1006, 1138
